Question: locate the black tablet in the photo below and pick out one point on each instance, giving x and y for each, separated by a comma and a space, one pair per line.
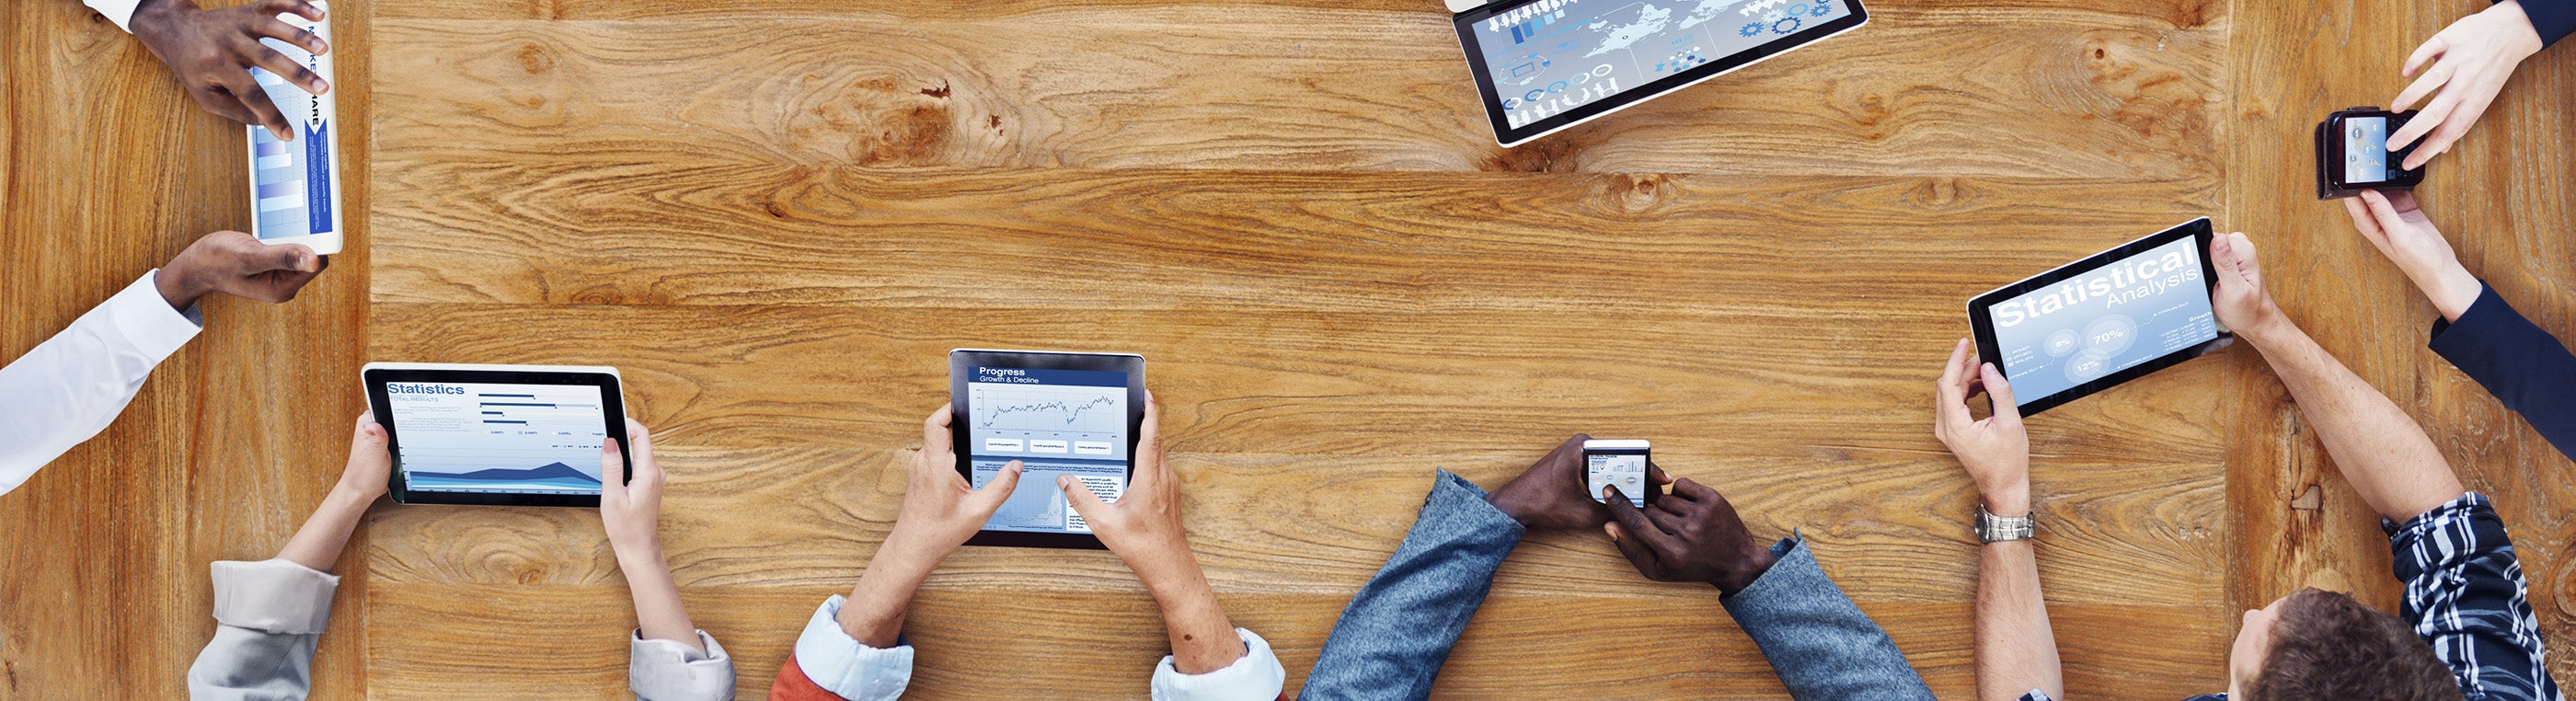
517, 435
1544, 65
1058, 414
2103, 320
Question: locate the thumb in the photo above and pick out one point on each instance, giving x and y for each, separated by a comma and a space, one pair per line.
612, 470
989, 498
367, 444
1080, 498
295, 257
2006, 411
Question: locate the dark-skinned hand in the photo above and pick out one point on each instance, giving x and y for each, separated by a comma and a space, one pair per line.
1549, 495
1689, 535
233, 263
212, 52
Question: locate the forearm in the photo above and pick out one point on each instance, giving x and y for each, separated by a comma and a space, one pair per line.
2016, 651
1203, 639
318, 543
2377, 447
659, 615
874, 613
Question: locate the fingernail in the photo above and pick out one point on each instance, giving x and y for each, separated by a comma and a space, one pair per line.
1612, 530
1064, 481
1016, 467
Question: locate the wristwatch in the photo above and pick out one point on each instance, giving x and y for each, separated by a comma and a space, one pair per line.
1996, 529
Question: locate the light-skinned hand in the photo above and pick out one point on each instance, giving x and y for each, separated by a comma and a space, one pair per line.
234, 263
631, 510
212, 52
2240, 300
1995, 450
1689, 535
2469, 63
940, 511
1550, 494
370, 471
1143, 527
2398, 228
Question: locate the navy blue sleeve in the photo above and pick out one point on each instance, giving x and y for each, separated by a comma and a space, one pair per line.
2553, 19
2523, 366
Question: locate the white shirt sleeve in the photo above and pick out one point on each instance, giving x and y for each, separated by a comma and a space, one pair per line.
1256, 676
118, 11
73, 385
669, 670
268, 616
846, 667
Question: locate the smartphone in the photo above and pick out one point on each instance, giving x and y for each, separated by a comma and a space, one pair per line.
295, 185
2353, 155
1620, 463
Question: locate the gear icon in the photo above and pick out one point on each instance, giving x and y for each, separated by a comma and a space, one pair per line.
1821, 10
1752, 30
1785, 26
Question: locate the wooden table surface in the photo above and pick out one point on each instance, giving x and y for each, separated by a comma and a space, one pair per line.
776, 216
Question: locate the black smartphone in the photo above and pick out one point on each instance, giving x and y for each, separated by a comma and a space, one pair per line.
1620, 463
2353, 154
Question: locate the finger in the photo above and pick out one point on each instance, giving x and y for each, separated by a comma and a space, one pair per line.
1633, 524
2358, 208
1081, 499
646, 469
2424, 121
293, 256
2431, 49
1656, 472
1695, 492
1664, 517
612, 472
2450, 133
258, 54
268, 25
273, 8
367, 439
935, 437
2422, 87
1999, 392
223, 104
1150, 468
1950, 402
262, 111
1635, 550
987, 499
2383, 213
2404, 202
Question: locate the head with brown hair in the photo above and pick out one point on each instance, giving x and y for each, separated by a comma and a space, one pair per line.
2317, 644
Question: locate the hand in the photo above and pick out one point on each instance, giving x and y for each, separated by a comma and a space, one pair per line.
2240, 300
2471, 59
370, 471
631, 511
1690, 535
212, 51
2394, 224
1995, 449
233, 263
940, 511
1550, 493
1143, 527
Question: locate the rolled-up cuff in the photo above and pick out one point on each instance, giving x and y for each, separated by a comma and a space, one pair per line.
846, 667
1256, 676
147, 323
119, 11
274, 596
669, 670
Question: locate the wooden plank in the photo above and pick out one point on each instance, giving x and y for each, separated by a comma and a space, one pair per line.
1676, 643
110, 171
2124, 97
2183, 14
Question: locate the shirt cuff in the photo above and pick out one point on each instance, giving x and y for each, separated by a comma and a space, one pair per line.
146, 321
2551, 19
846, 667
1256, 676
274, 596
2456, 513
118, 11
659, 669
2488, 310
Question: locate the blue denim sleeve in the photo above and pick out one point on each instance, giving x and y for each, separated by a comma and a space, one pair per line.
1395, 634
2523, 366
1820, 644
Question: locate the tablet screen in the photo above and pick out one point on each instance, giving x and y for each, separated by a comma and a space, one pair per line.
1055, 422
1550, 56
498, 438
2127, 312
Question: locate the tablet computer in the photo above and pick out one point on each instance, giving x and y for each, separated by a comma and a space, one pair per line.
2103, 320
1058, 414
295, 185
518, 435
1544, 65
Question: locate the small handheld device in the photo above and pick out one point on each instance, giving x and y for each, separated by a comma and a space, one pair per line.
1617, 463
295, 185
512, 435
2353, 155
1076, 414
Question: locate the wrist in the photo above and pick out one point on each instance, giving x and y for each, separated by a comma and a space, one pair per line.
2522, 37
349, 497
2267, 326
177, 284
2007, 500
2452, 290
1509, 501
1749, 568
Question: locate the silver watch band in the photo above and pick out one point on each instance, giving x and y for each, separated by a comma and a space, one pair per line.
1996, 529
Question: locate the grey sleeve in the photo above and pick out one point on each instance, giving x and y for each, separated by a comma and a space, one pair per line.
666, 670
1820, 644
268, 616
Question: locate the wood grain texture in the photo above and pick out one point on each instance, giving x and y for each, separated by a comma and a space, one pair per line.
1342, 285
108, 171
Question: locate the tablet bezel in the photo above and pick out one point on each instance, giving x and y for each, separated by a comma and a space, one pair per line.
1981, 320
1464, 24
961, 360
612, 410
